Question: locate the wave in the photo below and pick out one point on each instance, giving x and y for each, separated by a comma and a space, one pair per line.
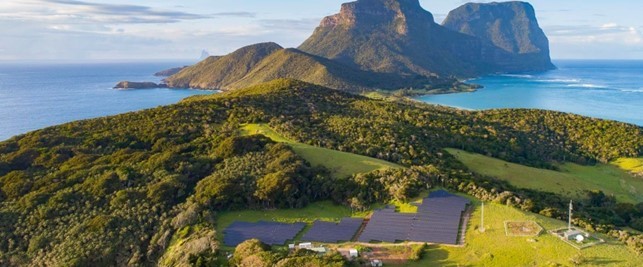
640, 90
559, 80
587, 85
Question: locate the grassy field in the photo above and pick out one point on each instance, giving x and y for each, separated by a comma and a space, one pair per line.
572, 180
494, 248
342, 164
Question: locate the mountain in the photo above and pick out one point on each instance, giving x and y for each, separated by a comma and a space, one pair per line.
511, 26
399, 36
388, 44
204, 54
389, 36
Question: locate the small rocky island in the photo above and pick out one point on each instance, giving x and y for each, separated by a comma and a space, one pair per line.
139, 85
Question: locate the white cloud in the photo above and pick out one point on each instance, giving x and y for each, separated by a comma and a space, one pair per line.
609, 26
610, 40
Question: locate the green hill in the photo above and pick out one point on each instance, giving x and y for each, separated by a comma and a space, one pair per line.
571, 180
292, 63
260, 63
146, 188
220, 72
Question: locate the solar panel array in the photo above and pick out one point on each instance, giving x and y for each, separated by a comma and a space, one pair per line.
330, 232
437, 221
271, 233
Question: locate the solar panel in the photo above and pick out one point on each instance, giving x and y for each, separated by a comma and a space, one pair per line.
437, 221
271, 233
329, 232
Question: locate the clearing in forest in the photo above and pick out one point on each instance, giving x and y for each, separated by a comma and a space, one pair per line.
342, 164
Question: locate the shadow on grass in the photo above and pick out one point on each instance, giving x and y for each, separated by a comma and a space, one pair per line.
434, 256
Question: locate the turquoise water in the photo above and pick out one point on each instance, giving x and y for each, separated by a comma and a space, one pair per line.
37, 96
602, 89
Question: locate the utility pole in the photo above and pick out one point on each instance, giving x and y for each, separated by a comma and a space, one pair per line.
482, 219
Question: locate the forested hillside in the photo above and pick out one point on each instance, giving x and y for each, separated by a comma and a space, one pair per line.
144, 188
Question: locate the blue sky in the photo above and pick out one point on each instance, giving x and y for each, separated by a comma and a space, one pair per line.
79, 30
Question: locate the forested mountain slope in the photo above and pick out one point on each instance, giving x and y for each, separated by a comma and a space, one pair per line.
138, 187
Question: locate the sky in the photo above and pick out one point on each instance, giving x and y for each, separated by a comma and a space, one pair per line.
137, 30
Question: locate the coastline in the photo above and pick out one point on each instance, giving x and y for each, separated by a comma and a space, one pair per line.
602, 89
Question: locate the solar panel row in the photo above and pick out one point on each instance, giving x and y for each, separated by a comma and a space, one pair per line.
437, 221
271, 233
329, 232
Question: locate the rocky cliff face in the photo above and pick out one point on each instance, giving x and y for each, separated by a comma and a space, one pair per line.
510, 26
378, 35
399, 36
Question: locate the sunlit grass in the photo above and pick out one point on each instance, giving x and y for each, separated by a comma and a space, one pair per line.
494, 248
342, 164
573, 179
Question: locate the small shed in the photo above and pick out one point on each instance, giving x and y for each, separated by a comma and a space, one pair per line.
353, 253
376, 263
291, 246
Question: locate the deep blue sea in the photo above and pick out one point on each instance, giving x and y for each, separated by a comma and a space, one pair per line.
602, 89
33, 96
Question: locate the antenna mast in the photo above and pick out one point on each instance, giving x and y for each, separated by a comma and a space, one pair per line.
569, 222
482, 218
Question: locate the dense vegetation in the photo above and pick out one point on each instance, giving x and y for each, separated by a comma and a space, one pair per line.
144, 188
341, 164
253, 253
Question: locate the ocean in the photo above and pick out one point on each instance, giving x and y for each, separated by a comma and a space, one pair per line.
34, 96
606, 89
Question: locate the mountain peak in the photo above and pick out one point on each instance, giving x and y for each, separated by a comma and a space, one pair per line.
512, 26
365, 14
